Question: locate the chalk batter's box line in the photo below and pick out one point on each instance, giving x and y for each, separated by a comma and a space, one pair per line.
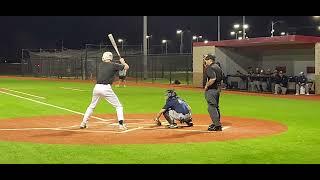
105, 130
154, 127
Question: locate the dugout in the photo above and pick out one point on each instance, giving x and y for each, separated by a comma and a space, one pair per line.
291, 53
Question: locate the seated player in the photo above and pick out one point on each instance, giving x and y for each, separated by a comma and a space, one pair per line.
263, 81
302, 81
281, 83
175, 109
273, 80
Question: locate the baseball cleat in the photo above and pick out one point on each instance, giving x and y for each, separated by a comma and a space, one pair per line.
83, 126
122, 127
190, 124
215, 128
172, 126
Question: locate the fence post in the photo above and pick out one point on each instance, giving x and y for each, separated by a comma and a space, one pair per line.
48, 67
187, 76
188, 65
81, 61
162, 70
175, 70
74, 70
136, 68
59, 71
170, 73
155, 69
41, 67
85, 64
21, 63
96, 68
50, 62
141, 71
152, 69
55, 69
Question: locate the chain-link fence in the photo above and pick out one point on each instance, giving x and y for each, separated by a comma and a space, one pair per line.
83, 64
52, 63
161, 68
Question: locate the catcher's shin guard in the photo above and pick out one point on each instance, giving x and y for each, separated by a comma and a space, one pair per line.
168, 118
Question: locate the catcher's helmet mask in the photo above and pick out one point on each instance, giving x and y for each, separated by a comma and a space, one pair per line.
171, 93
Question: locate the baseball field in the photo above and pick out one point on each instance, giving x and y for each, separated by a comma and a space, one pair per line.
39, 124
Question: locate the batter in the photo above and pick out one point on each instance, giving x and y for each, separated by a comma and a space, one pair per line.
102, 89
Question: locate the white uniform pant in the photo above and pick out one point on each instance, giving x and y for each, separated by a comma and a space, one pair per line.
282, 88
298, 88
178, 116
106, 92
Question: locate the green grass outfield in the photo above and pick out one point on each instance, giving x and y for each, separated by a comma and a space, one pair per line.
300, 144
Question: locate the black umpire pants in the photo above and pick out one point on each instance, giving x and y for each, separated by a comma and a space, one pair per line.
212, 96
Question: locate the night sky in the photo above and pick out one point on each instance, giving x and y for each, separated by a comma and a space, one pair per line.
19, 32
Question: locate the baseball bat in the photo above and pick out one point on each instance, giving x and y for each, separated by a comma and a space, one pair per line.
113, 42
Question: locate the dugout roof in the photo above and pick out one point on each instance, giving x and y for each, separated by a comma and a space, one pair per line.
289, 40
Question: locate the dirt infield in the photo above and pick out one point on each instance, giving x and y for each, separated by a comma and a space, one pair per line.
65, 130
182, 87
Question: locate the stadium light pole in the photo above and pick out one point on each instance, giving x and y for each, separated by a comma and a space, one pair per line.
236, 31
272, 26
121, 41
195, 37
317, 18
62, 45
243, 27
219, 28
179, 31
148, 37
236, 26
145, 50
233, 33
164, 41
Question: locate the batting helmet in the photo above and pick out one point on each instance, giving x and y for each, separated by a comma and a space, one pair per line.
107, 56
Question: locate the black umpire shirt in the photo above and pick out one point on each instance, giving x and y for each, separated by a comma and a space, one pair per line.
214, 71
107, 72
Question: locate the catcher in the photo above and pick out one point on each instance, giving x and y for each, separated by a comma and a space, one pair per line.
175, 109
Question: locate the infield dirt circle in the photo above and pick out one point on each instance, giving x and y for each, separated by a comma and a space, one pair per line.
141, 130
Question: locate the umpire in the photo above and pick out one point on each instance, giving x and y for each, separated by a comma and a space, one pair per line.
212, 89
